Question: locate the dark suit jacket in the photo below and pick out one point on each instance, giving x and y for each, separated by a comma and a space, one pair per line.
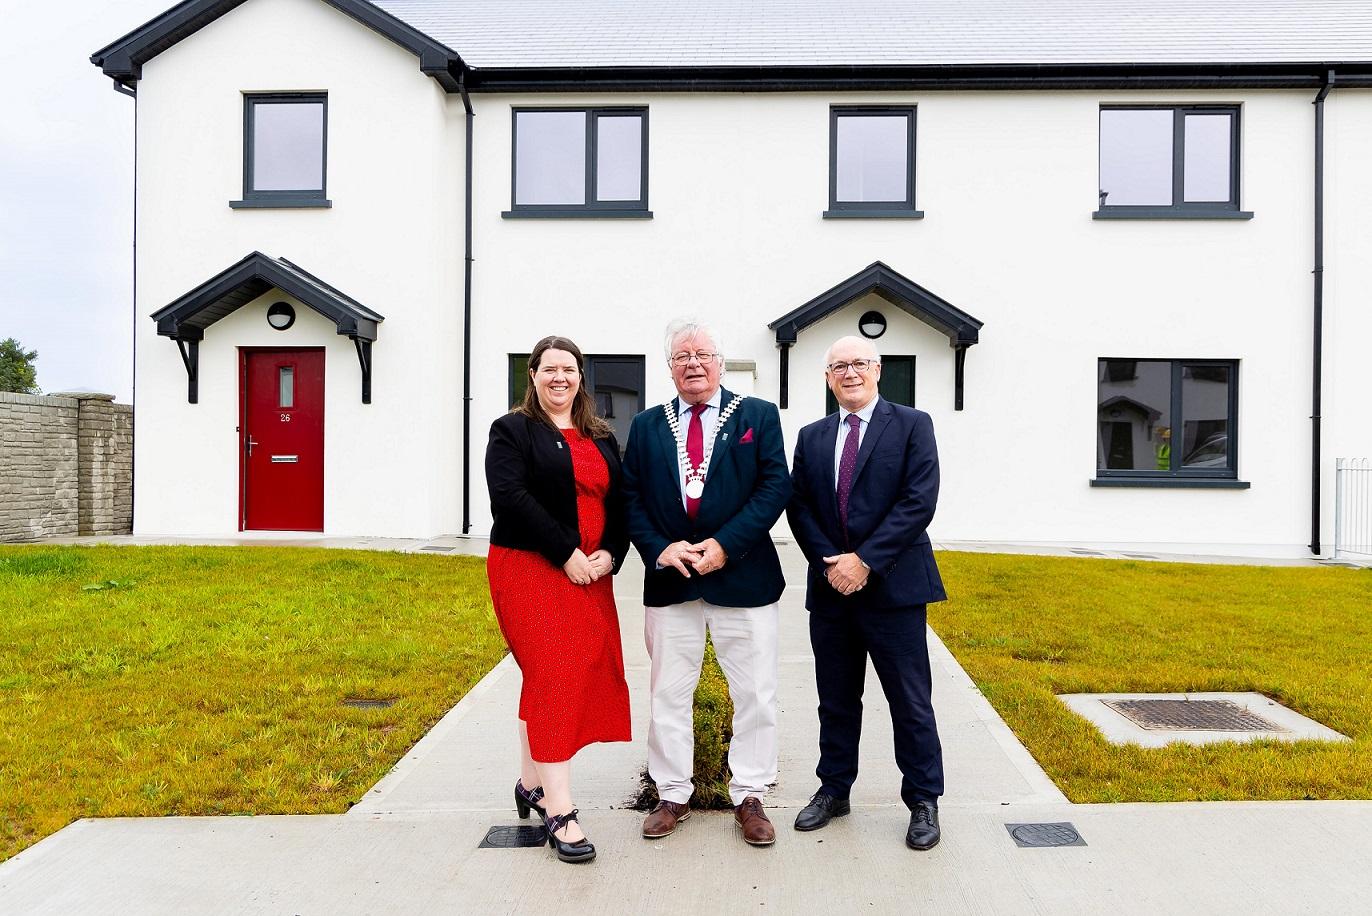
895, 489
746, 491
533, 491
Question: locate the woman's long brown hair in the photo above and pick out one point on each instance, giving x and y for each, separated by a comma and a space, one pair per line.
584, 417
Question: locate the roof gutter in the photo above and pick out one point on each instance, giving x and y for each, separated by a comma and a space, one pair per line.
1213, 75
467, 315
1318, 356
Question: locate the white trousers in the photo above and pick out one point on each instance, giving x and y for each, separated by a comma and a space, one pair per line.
745, 642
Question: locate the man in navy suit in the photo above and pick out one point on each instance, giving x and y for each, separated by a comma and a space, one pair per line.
865, 486
704, 480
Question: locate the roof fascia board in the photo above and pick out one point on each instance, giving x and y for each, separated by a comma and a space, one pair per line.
123, 59
961, 328
949, 77
349, 317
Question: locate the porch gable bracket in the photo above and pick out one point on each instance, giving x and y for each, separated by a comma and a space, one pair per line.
185, 319
961, 328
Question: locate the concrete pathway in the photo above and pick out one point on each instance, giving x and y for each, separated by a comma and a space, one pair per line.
410, 845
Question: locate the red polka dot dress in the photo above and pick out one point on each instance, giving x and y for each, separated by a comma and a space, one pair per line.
565, 637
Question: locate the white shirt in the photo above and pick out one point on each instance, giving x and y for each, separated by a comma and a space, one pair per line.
708, 417
865, 415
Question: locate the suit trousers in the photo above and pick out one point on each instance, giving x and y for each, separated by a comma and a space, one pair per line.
745, 641
895, 640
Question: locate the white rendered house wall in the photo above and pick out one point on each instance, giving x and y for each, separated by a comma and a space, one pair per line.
392, 240
1008, 183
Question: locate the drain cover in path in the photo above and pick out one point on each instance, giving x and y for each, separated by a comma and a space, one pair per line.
514, 838
1159, 719
1039, 835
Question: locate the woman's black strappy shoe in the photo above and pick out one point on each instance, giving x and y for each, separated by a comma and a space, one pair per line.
526, 800
580, 851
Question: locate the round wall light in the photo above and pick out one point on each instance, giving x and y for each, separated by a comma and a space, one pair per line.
280, 315
872, 325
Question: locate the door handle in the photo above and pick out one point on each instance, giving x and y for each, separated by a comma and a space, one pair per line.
249, 443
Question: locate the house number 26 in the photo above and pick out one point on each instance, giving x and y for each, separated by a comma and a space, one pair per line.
285, 418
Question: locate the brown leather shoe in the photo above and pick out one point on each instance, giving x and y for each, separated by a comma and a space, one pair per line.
757, 830
662, 820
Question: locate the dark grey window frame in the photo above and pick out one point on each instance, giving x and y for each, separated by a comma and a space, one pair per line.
592, 208
892, 209
1180, 208
1178, 476
254, 199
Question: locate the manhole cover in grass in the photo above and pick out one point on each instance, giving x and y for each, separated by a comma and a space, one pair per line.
368, 702
1038, 835
1192, 715
440, 549
514, 838
1086, 553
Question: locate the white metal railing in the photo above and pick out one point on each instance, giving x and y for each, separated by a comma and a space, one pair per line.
1353, 508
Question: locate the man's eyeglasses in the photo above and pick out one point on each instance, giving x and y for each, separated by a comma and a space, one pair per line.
701, 356
859, 365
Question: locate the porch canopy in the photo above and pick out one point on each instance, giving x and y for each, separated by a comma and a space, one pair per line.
185, 319
961, 328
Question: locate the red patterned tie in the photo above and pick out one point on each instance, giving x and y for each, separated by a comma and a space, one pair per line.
695, 451
847, 464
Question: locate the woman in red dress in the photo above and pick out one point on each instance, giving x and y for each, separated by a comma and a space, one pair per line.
558, 535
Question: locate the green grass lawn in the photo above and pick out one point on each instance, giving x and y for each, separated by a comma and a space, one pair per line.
211, 680
1027, 628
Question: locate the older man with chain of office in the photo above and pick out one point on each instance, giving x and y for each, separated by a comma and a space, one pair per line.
705, 479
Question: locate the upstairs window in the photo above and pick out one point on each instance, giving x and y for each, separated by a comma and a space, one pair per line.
1169, 161
284, 146
580, 162
872, 162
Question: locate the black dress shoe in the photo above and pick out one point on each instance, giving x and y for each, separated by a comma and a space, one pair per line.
822, 809
581, 850
923, 832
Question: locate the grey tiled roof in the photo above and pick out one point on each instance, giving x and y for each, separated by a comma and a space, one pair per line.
719, 33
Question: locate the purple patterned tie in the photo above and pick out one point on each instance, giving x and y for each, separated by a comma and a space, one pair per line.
847, 463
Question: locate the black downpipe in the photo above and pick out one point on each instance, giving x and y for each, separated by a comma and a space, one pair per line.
133, 369
1316, 382
467, 323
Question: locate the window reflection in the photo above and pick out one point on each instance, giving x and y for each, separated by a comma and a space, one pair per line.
1166, 417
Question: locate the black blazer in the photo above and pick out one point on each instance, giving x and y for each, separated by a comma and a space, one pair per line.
533, 491
895, 490
745, 493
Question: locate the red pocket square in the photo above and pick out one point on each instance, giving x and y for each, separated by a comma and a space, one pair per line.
747, 437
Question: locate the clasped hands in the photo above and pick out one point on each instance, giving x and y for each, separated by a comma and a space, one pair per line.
584, 570
846, 573
705, 557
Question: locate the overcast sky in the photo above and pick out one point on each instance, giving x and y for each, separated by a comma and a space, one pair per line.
66, 193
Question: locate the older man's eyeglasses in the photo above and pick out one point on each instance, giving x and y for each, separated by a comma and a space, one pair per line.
860, 366
700, 356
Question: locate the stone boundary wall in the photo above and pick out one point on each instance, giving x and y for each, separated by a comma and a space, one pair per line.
66, 466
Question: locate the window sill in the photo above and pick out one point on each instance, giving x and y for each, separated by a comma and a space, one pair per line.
576, 214
282, 203
874, 214
1170, 213
1173, 483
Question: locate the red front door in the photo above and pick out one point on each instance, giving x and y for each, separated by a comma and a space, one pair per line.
282, 441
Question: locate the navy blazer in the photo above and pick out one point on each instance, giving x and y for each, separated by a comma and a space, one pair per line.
895, 490
746, 490
533, 491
